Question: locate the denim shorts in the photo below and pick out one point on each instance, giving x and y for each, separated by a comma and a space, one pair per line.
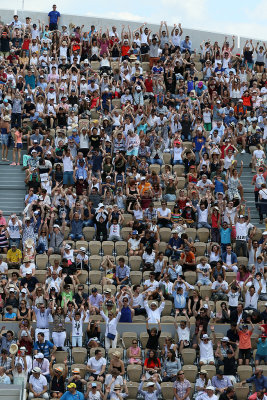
19, 146
68, 178
4, 139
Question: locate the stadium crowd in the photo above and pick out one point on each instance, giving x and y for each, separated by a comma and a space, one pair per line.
134, 213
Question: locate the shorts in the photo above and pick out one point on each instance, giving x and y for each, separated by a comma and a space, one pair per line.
260, 358
259, 63
244, 353
133, 152
4, 139
207, 360
19, 146
68, 178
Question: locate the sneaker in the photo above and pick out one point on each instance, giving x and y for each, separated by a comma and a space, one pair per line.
13, 163
243, 151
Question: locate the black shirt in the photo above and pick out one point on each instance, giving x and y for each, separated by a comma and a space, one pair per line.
31, 283
153, 341
229, 366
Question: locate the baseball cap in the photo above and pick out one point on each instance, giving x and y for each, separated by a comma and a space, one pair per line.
71, 385
210, 388
205, 336
39, 355
37, 370
149, 384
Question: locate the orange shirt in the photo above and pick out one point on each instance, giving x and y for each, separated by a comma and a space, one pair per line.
190, 257
144, 188
244, 340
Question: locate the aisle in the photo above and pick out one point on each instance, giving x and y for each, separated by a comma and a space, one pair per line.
12, 188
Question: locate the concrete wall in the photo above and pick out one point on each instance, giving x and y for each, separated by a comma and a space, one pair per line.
197, 36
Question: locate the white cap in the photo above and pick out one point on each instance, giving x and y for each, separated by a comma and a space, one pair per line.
56, 226
150, 384
206, 306
67, 247
205, 336
23, 290
83, 249
39, 355
143, 178
265, 233
210, 388
225, 339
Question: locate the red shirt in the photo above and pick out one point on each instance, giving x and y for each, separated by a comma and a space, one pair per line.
149, 85
125, 50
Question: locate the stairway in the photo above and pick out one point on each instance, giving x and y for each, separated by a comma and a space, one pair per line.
12, 187
246, 179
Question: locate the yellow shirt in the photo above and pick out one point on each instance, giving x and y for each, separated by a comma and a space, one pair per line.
14, 256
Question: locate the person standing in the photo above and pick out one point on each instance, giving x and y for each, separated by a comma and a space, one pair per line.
53, 18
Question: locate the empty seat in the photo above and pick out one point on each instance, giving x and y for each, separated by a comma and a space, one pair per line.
94, 247
167, 390
136, 277
108, 247
244, 372
88, 233
120, 248
95, 277
61, 356
83, 276
189, 356
95, 261
200, 248
155, 168
203, 234
190, 372
125, 233
242, 261
134, 372
178, 169
168, 308
211, 370
41, 276
132, 390
81, 243
191, 233
167, 158
54, 257
126, 219
135, 263
190, 277
241, 391
165, 234
41, 261
79, 355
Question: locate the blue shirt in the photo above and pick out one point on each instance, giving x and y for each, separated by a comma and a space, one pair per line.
260, 383
199, 142
69, 396
225, 235
43, 347
219, 188
54, 15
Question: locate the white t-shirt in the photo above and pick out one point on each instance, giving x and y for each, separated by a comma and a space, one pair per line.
77, 326
93, 363
153, 285
3, 267
163, 213
233, 298
205, 268
67, 164
241, 231
183, 334
206, 349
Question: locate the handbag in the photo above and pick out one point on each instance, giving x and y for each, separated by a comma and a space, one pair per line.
111, 336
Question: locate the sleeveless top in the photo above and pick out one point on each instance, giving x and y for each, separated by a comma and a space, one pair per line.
126, 315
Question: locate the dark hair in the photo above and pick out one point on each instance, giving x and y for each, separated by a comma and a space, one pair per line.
173, 354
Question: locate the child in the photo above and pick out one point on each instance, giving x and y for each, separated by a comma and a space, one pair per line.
77, 327
114, 231
183, 332
10, 315
153, 336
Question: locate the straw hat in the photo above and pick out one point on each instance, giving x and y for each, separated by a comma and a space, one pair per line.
13, 348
